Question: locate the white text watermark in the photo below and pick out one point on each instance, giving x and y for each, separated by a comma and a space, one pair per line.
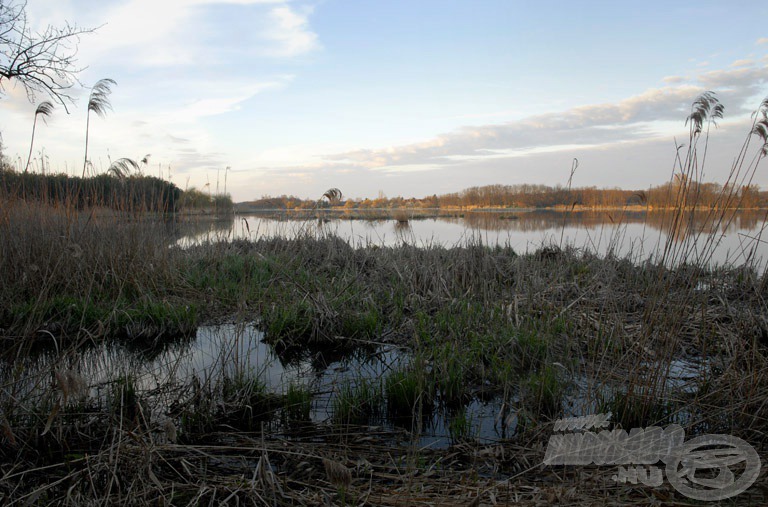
638, 452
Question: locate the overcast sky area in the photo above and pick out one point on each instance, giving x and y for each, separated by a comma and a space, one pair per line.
408, 97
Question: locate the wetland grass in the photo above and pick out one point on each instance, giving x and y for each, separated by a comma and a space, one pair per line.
359, 403
298, 403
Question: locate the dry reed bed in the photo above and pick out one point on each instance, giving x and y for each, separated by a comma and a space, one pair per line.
361, 468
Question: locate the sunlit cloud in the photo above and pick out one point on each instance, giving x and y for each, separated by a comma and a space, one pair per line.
408, 168
222, 99
639, 118
588, 125
746, 62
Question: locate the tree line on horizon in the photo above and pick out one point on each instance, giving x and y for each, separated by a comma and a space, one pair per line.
707, 195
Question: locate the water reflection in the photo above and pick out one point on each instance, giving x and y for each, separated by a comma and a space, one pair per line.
221, 353
730, 238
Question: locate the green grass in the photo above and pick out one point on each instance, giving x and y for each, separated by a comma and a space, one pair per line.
641, 408
543, 393
246, 403
297, 403
460, 425
358, 403
125, 402
407, 393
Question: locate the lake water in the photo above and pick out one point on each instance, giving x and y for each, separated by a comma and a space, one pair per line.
735, 240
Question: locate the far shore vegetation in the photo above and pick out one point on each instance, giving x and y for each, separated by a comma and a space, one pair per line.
114, 190
120, 189
531, 196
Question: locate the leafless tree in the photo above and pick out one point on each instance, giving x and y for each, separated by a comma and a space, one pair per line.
41, 61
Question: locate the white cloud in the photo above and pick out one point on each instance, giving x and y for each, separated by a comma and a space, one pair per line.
290, 32
174, 33
226, 96
638, 118
746, 62
762, 40
582, 126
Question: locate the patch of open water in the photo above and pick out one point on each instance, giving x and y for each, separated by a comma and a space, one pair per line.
164, 376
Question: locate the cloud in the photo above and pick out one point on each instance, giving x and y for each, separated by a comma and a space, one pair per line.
762, 40
588, 125
225, 96
735, 86
188, 33
598, 126
674, 79
743, 63
290, 33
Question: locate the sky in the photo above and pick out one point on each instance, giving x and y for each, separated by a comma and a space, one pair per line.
411, 97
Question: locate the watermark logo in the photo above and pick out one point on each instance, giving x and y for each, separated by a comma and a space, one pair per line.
702, 468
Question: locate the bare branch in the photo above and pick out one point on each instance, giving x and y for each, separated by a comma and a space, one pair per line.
43, 62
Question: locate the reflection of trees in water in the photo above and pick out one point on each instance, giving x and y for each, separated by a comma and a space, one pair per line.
750, 220
200, 228
546, 220
699, 222
704, 222
403, 229
319, 356
484, 221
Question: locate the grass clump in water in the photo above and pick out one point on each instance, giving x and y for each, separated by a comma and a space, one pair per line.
358, 403
245, 400
297, 405
640, 408
460, 424
407, 393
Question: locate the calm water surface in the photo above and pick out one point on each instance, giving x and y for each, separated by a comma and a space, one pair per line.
163, 377
636, 235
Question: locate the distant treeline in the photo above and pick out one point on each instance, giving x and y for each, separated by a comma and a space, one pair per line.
701, 195
705, 195
134, 193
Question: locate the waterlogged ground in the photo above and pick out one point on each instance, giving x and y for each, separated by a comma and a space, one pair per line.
167, 377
